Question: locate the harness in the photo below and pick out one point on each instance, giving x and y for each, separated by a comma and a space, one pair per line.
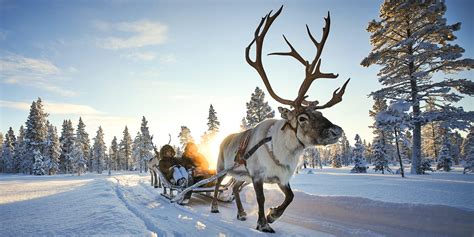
241, 157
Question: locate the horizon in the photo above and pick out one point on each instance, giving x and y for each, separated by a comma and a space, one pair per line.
112, 62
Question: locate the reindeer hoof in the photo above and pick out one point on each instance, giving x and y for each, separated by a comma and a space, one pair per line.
214, 209
265, 228
242, 216
272, 216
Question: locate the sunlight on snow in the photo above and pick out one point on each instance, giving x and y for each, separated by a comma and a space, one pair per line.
23, 191
200, 225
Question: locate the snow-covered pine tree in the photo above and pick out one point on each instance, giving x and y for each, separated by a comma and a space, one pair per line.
185, 136
125, 150
379, 159
83, 137
336, 161
345, 149
411, 42
425, 166
396, 119
467, 143
311, 156
445, 161
21, 163
258, 109
432, 133
379, 130
98, 151
35, 138
114, 154
79, 162
135, 158
455, 140
7, 158
1, 150
67, 146
53, 151
146, 146
368, 151
468, 152
360, 165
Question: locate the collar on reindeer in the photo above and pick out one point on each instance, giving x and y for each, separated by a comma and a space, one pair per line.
294, 130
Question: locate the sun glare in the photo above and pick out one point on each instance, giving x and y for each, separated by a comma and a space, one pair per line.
212, 152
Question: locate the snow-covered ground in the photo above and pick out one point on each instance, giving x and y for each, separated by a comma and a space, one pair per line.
330, 202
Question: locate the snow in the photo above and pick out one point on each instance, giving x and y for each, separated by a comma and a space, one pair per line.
329, 202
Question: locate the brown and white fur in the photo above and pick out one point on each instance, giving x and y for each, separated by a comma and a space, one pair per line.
276, 161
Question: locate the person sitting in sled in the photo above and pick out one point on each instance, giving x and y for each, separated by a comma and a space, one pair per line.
192, 159
171, 167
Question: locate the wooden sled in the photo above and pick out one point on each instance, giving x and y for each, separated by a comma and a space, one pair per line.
171, 191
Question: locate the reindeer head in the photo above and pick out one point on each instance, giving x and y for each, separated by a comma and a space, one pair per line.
309, 125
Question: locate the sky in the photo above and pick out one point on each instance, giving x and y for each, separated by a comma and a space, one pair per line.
112, 62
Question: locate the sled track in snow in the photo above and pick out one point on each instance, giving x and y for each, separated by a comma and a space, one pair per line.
146, 220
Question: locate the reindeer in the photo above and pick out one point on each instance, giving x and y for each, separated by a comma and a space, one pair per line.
283, 139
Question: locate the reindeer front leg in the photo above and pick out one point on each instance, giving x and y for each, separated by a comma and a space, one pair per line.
262, 224
276, 212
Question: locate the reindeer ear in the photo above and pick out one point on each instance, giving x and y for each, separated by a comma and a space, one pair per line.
285, 113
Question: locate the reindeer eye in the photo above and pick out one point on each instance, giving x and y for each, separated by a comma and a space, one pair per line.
302, 119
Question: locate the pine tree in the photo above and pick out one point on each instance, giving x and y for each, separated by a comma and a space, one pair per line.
455, 140
425, 166
83, 137
125, 150
67, 146
1, 151
98, 151
185, 136
345, 149
380, 160
146, 146
336, 161
381, 131
9, 151
35, 138
135, 158
78, 162
53, 151
411, 42
431, 134
209, 136
311, 156
212, 121
360, 166
468, 151
257, 109
445, 161
114, 154
21, 163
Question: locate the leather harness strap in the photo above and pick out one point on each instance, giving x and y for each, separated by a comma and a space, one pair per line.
241, 157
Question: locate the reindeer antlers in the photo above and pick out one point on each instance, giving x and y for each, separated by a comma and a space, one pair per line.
312, 70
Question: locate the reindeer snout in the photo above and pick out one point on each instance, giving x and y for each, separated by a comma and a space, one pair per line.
335, 132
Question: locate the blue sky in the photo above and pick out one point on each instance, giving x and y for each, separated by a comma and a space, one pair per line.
113, 62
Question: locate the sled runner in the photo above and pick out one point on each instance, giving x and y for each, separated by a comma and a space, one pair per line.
174, 192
